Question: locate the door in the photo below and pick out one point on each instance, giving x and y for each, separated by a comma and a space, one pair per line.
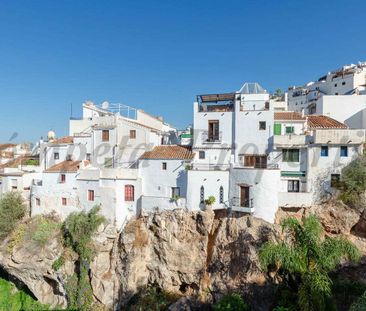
244, 196
277, 128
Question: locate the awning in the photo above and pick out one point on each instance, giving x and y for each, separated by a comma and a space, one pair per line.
293, 174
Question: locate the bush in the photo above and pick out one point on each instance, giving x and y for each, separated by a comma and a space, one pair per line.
231, 302
12, 210
33, 162
353, 180
78, 230
58, 263
210, 201
44, 229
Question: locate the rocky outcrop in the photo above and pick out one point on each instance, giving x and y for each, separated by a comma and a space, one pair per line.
200, 255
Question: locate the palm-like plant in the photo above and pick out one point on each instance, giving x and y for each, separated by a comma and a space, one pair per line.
305, 258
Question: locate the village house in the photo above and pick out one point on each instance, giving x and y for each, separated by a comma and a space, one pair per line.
340, 94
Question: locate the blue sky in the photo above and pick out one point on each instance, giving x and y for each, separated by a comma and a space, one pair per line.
157, 55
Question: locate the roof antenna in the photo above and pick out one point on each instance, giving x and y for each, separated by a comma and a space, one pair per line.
71, 112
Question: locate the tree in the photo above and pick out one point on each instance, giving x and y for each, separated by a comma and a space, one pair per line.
305, 258
12, 210
277, 93
231, 302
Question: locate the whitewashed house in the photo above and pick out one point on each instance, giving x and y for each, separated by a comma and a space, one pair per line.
340, 94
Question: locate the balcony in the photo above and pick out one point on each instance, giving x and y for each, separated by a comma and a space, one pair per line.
289, 140
294, 199
209, 138
203, 107
210, 167
244, 207
339, 136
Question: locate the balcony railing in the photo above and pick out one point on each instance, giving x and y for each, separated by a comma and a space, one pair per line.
209, 138
246, 203
215, 107
289, 140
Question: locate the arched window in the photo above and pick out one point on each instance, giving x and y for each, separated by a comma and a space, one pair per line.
202, 195
129, 193
221, 194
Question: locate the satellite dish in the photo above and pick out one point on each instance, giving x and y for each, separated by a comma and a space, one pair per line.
105, 105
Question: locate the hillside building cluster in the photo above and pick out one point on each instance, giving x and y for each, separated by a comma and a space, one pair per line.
251, 152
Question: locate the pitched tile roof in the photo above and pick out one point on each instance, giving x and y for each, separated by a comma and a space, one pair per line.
169, 152
6, 146
289, 116
65, 166
324, 122
67, 140
21, 160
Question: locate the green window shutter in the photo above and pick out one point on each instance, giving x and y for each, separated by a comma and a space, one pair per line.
277, 129
289, 129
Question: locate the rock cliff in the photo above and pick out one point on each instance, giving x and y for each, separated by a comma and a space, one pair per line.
201, 255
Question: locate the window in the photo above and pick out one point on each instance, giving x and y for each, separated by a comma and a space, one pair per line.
38, 201
62, 178
335, 85
344, 151
291, 155
129, 193
293, 186
91, 195
56, 156
88, 156
244, 196
336, 93
108, 162
266, 105
290, 129
164, 166
64, 201
105, 135
262, 125
257, 161
221, 194
213, 130
201, 155
343, 83
202, 195
175, 192
324, 151
335, 180
132, 134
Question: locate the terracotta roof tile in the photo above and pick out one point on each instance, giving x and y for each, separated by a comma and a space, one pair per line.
65, 166
324, 122
6, 146
21, 160
169, 152
67, 140
289, 116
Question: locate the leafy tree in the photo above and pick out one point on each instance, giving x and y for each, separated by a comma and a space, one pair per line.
278, 93
305, 258
231, 302
12, 210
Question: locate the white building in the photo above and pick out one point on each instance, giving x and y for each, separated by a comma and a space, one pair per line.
340, 94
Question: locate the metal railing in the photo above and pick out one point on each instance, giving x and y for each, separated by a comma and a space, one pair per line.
246, 203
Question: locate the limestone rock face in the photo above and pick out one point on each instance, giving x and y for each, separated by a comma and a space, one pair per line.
196, 255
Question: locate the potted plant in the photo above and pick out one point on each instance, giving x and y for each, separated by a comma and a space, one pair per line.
210, 201
175, 198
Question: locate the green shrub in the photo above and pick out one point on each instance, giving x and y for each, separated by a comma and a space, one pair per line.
12, 210
34, 162
44, 229
360, 304
78, 230
353, 180
210, 201
231, 302
58, 263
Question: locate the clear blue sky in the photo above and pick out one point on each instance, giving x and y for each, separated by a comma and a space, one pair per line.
157, 55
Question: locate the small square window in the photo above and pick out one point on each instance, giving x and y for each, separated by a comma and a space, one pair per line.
262, 125
64, 201
175, 192
202, 155
335, 85
132, 134
289, 129
38, 201
293, 186
324, 151
344, 151
343, 83
56, 156
164, 166
62, 178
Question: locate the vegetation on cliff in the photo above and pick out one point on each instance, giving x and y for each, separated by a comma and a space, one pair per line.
304, 260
